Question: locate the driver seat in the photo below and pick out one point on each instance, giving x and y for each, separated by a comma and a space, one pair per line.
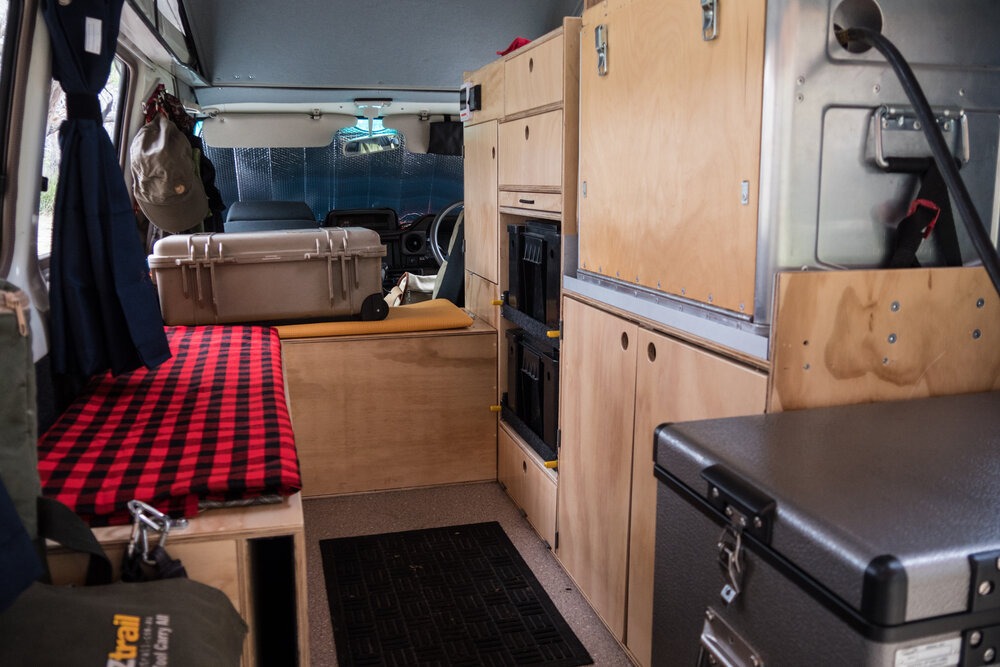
450, 281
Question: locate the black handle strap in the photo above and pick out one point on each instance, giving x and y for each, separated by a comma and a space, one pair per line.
60, 524
930, 211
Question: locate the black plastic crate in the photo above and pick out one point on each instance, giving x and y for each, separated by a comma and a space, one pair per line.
534, 275
533, 384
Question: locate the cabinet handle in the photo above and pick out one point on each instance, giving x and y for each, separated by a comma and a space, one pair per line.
493, 153
651, 352
526, 201
524, 466
624, 340
531, 64
525, 132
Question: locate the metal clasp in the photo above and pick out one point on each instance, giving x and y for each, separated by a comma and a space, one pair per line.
709, 19
601, 44
889, 119
731, 561
145, 517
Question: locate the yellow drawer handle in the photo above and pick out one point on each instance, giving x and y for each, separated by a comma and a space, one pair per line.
552, 464
495, 408
553, 334
497, 302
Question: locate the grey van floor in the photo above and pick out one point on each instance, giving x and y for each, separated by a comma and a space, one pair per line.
373, 513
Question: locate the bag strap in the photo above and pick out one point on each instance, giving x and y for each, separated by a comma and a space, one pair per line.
930, 211
60, 524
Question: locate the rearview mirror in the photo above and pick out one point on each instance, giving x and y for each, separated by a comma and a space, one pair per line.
373, 144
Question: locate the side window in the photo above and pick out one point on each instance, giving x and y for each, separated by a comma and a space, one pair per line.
10, 15
110, 98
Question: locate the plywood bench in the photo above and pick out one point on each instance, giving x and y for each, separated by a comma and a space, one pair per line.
393, 410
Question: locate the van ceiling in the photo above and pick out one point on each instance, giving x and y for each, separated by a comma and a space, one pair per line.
337, 50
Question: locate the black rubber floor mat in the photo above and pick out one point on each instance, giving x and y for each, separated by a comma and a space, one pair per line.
460, 595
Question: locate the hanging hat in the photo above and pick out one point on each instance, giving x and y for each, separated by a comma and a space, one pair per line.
166, 183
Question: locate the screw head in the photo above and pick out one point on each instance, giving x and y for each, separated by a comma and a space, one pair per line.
998, 563
985, 588
757, 523
989, 654
894, 307
729, 510
754, 661
876, 88
977, 334
715, 492
892, 338
976, 638
800, 97
980, 302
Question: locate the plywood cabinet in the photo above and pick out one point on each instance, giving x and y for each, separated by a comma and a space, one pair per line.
533, 77
481, 215
620, 382
531, 152
528, 482
669, 142
489, 78
674, 382
595, 460
520, 164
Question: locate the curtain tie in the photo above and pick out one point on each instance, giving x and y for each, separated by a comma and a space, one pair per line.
83, 106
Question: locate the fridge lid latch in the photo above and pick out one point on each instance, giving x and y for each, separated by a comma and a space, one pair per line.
984, 590
731, 561
745, 507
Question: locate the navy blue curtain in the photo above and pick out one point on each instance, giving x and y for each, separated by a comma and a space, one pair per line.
105, 312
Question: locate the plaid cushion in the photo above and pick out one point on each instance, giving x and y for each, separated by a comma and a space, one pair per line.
211, 423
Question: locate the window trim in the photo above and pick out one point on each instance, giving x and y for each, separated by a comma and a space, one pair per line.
8, 65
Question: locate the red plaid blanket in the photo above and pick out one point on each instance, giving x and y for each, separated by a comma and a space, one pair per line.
211, 423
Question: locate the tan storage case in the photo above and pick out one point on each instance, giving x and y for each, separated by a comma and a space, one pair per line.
269, 276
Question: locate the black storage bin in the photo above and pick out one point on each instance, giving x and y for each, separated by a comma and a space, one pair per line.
515, 250
534, 274
513, 369
862, 535
533, 384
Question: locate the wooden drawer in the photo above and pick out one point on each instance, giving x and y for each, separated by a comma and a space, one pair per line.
480, 295
531, 152
528, 483
490, 78
534, 78
532, 201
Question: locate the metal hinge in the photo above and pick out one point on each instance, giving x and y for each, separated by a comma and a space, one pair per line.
709, 19
601, 44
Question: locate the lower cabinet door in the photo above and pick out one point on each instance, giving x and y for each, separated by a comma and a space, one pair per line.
597, 394
674, 382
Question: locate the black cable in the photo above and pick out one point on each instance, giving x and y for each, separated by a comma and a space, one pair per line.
942, 155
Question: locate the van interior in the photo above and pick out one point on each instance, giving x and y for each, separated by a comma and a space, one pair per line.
560, 332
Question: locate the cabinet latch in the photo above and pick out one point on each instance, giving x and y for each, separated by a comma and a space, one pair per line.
709, 19
601, 44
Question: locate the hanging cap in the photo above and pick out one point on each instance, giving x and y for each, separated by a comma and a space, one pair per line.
166, 183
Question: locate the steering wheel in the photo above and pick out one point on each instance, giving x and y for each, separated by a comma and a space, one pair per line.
437, 249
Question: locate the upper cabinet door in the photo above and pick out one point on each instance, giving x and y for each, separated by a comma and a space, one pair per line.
669, 144
534, 78
531, 152
481, 213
